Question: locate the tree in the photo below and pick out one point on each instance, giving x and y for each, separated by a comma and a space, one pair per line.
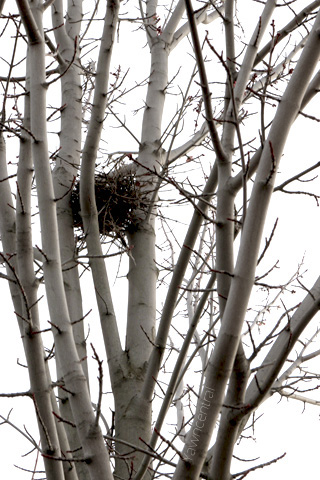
97, 169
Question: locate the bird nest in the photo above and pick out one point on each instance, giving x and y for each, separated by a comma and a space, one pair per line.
118, 197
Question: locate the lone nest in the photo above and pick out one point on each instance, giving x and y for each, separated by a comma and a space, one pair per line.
118, 197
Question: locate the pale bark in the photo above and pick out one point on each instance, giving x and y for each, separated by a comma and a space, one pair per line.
67, 164
176, 281
265, 378
157, 352
286, 30
227, 432
201, 16
8, 228
87, 195
130, 416
176, 377
221, 363
39, 380
93, 448
24, 295
215, 314
225, 231
142, 276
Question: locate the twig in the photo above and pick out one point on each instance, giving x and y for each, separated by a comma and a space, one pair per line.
243, 474
296, 177
68, 66
100, 380
268, 242
273, 164
44, 428
204, 84
27, 436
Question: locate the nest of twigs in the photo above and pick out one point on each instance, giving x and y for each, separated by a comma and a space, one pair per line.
118, 197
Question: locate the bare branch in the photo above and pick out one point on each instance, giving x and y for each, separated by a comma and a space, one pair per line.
29, 22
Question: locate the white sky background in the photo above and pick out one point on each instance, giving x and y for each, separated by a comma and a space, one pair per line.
284, 426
